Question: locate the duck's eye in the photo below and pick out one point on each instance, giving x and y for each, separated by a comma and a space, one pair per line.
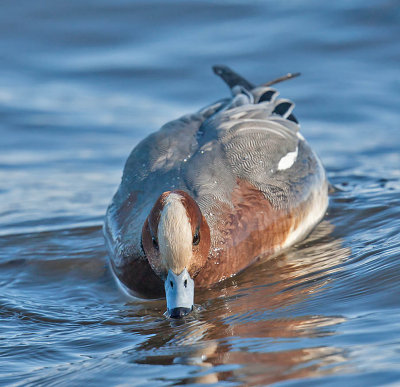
196, 238
155, 243
141, 245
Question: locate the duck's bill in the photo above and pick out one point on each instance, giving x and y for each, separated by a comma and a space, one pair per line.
179, 291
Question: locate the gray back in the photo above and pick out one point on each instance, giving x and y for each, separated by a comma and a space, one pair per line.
207, 153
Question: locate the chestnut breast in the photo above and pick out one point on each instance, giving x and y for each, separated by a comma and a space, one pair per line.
243, 171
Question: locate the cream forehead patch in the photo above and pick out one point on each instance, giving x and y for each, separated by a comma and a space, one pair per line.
175, 235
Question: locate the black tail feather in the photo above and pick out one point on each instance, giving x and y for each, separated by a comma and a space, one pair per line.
231, 78
293, 119
283, 108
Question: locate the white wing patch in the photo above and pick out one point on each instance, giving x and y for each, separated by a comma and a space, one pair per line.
287, 161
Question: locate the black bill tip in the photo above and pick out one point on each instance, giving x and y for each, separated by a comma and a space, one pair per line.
179, 312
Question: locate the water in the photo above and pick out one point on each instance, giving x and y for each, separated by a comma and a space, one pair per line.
82, 82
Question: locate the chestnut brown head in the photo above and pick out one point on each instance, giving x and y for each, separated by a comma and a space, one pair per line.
176, 240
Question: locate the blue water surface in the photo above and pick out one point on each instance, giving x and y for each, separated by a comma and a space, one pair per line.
81, 83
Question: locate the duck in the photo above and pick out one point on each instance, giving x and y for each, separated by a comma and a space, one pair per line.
209, 193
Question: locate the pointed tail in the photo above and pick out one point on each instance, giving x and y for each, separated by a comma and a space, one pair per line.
233, 79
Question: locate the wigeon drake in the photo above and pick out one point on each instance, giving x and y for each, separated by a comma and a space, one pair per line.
208, 193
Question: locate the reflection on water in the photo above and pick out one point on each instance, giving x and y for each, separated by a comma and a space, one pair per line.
233, 332
82, 82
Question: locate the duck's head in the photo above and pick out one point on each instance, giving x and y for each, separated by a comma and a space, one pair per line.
176, 241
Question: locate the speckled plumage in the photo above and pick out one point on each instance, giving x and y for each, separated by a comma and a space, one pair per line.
226, 157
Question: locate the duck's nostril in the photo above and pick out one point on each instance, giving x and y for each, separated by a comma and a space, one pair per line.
179, 312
